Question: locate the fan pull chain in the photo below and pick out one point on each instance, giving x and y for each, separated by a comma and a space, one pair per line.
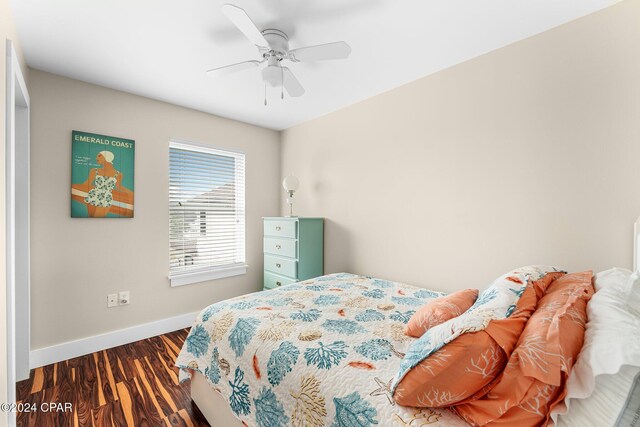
265, 95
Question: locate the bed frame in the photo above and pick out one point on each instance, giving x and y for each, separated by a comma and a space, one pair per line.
217, 411
211, 403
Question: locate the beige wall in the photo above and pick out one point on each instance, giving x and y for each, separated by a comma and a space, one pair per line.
529, 154
77, 262
7, 32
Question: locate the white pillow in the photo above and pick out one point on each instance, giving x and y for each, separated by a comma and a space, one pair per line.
612, 341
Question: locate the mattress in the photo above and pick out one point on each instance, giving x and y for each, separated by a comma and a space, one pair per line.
322, 352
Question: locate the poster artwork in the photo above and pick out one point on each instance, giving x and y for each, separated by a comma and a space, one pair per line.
102, 172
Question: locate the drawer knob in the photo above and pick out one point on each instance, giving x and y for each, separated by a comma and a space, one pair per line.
278, 265
278, 228
278, 284
278, 246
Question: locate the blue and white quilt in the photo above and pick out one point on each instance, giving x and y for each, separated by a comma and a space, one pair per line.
322, 352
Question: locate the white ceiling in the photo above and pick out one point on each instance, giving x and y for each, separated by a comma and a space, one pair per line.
161, 48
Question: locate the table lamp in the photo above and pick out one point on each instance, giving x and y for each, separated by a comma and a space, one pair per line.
290, 184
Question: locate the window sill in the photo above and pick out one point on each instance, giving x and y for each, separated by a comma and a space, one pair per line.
204, 276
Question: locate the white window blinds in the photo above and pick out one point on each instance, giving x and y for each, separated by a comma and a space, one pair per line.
206, 213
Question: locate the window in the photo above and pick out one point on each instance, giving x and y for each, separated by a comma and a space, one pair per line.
206, 213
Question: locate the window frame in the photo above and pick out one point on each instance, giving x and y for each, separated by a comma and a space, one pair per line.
211, 273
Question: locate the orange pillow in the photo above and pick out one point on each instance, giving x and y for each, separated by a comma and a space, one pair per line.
439, 311
469, 366
453, 373
533, 381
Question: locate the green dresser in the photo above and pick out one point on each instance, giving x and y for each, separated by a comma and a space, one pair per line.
293, 250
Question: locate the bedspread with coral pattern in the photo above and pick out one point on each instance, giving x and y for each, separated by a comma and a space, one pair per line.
322, 352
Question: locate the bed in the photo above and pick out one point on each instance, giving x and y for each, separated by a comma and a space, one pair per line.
330, 352
305, 354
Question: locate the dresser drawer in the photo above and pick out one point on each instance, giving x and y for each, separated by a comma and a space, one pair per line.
284, 247
280, 228
279, 265
272, 281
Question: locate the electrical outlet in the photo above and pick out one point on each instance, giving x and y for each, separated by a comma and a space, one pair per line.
123, 298
112, 300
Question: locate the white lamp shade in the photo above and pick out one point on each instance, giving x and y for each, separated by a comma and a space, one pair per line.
272, 75
291, 183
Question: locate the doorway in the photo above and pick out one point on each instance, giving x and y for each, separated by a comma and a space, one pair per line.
17, 223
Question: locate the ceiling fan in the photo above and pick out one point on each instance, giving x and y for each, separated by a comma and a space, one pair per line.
273, 47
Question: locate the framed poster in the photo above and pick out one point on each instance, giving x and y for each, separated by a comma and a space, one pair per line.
102, 172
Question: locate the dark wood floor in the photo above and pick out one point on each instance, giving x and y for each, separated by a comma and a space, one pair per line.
132, 385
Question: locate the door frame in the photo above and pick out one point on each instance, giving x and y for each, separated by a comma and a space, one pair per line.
17, 223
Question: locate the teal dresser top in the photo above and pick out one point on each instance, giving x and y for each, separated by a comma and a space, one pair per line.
290, 218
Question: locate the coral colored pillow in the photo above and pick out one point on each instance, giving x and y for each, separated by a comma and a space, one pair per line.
439, 311
467, 367
452, 374
534, 380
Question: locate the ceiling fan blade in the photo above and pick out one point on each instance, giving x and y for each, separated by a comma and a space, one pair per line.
291, 84
241, 20
233, 68
335, 50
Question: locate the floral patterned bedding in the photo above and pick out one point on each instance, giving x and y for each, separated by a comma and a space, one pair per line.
322, 352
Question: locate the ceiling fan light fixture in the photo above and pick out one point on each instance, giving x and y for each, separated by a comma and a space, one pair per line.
273, 48
272, 75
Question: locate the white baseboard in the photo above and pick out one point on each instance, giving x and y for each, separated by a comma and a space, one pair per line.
68, 350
